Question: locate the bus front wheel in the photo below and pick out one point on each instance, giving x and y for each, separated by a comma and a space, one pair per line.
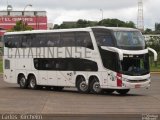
22, 82
32, 82
123, 92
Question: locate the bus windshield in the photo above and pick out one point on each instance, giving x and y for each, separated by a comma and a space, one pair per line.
129, 39
135, 65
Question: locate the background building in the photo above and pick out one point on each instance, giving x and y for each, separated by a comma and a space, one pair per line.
36, 19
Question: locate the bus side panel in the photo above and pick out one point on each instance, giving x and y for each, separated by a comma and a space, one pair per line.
109, 79
9, 72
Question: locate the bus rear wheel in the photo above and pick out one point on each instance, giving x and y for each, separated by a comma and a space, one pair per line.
95, 86
82, 85
22, 82
32, 82
123, 92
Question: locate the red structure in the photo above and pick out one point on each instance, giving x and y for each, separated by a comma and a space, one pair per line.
36, 19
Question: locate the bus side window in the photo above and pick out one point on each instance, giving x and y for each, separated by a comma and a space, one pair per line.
8, 41
68, 39
40, 40
29, 40
17, 41
83, 39
36, 64
61, 64
7, 64
53, 39
24, 41
104, 40
13, 41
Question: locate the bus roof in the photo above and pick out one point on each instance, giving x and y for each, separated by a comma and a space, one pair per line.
117, 28
88, 29
48, 31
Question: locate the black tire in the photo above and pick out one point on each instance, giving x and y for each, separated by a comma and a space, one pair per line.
32, 83
108, 91
58, 88
123, 92
22, 82
95, 86
81, 85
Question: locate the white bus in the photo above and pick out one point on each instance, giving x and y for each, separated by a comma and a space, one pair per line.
91, 59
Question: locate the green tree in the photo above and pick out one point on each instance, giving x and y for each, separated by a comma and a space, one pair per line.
82, 23
105, 22
154, 43
130, 24
56, 26
157, 28
116, 23
20, 26
148, 31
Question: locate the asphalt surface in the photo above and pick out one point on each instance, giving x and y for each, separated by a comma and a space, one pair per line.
69, 101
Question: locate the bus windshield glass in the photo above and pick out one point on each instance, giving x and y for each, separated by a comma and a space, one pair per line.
135, 65
129, 39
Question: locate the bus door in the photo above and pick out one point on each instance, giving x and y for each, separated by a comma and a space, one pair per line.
64, 72
43, 77
52, 78
65, 78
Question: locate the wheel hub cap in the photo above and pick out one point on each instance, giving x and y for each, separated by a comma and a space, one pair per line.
83, 86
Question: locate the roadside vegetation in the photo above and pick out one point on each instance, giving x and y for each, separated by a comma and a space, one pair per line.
154, 43
1, 66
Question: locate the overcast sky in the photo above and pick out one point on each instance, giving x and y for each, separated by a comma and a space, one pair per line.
71, 10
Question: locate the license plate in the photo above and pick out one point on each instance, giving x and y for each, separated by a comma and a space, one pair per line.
137, 86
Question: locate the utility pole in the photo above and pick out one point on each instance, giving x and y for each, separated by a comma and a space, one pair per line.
102, 13
140, 18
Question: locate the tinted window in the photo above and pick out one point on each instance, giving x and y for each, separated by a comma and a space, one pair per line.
28, 40
129, 40
13, 41
83, 39
7, 64
110, 60
65, 64
40, 40
67, 39
103, 37
44, 64
53, 39
8, 41
84, 65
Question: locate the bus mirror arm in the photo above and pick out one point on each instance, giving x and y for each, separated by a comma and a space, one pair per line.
154, 52
120, 52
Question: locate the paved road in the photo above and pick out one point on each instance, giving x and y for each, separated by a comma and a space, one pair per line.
16, 100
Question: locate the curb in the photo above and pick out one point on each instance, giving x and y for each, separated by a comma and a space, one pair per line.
155, 72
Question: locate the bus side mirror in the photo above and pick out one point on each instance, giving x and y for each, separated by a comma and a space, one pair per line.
154, 52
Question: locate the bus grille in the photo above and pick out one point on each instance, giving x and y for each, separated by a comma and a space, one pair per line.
138, 81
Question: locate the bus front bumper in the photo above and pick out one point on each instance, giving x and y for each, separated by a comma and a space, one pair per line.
132, 84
